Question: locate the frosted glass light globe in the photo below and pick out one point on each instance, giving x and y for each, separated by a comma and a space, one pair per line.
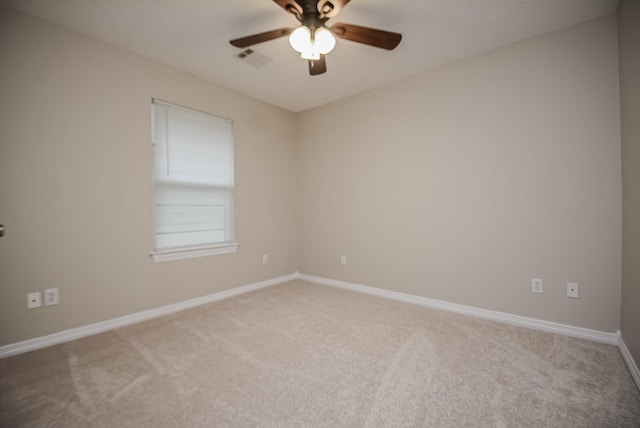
300, 39
324, 42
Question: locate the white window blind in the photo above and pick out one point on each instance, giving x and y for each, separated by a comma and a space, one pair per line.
193, 178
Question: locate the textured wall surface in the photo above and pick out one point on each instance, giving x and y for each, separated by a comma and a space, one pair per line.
75, 182
629, 35
464, 183
461, 184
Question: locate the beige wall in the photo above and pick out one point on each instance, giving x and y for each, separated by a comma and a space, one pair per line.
461, 184
464, 183
75, 182
629, 36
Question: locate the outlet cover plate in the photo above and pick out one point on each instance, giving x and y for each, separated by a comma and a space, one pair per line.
51, 297
573, 290
34, 300
536, 285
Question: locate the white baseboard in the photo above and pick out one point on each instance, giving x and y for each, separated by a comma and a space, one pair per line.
633, 368
103, 326
517, 320
532, 323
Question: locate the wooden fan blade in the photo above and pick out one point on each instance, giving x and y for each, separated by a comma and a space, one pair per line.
317, 66
291, 7
368, 36
330, 8
245, 42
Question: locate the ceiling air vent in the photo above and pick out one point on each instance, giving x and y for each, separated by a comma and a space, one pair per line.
253, 58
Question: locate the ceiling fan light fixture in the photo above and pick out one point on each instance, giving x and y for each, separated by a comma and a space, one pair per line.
322, 42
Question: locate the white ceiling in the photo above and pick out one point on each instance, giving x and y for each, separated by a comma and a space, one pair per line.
193, 35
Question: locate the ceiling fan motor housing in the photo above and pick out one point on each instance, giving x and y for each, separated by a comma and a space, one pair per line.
322, 9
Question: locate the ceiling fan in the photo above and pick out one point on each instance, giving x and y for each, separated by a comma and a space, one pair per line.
313, 39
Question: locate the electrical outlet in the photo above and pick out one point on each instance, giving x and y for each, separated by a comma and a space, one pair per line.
34, 300
536, 285
573, 290
343, 260
51, 297
265, 259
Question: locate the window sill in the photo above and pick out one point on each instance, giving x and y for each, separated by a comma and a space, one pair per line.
193, 252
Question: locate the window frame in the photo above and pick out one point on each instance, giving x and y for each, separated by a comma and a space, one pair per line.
194, 250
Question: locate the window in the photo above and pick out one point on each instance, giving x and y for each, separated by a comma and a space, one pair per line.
193, 183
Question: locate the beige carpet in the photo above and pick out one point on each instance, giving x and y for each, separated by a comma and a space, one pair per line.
299, 354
